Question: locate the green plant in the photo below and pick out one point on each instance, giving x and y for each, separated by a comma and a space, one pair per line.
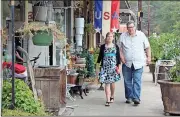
170, 45
33, 27
83, 53
19, 112
82, 72
89, 28
175, 71
24, 99
155, 48
90, 65
165, 46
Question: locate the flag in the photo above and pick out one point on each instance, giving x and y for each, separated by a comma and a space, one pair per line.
106, 16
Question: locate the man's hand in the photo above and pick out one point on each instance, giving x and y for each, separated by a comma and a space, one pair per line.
123, 61
122, 56
148, 60
148, 54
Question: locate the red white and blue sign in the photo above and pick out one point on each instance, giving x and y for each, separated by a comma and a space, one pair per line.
106, 16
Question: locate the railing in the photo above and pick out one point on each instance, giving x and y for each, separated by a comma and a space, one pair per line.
163, 63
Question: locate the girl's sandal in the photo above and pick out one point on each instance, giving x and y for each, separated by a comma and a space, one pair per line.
107, 104
111, 100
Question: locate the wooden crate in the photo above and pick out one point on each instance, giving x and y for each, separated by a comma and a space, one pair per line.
52, 83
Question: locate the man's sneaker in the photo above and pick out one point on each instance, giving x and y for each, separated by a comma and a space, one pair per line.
136, 102
128, 101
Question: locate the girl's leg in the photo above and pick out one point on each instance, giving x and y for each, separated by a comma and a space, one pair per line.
108, 94
112, 87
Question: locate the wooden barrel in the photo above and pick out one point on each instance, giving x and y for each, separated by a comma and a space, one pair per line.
170, 96
52, 82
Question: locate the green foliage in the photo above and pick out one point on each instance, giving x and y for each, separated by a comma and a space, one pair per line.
165, 15
82, 72
156, 49
90, 65
96, 54
84, 53
169, 43
97, 50
89, 28
165, 46
95, 58
24, 99
17, 112
175, 71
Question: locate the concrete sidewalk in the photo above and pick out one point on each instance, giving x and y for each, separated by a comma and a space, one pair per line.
93, 104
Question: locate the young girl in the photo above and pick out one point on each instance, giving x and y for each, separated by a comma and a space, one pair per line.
109, 57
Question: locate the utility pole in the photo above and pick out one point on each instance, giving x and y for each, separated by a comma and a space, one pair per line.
148, 18
139, 14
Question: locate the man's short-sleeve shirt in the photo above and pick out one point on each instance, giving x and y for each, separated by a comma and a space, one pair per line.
133, 48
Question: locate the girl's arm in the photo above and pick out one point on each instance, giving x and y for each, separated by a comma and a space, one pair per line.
118, 59
100, 55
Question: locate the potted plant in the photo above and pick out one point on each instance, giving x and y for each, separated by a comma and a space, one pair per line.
170, 49
42, 34
156, 53
81, 75
170, 90
164, 48
72, 77
90, 65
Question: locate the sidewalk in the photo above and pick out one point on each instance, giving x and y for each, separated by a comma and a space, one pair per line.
93, 104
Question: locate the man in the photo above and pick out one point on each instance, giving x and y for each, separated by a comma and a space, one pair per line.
132, 45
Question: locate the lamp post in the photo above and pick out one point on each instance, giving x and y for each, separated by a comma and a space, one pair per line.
1, 80
13, 54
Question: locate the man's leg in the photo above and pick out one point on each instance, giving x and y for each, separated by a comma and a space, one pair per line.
137, 74
127, 74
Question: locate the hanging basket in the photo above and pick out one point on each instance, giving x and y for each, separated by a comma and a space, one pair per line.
42, 38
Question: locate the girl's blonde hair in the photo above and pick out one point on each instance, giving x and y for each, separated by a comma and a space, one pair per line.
107, 34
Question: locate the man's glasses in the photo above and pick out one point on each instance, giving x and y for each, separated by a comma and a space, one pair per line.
130, 27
